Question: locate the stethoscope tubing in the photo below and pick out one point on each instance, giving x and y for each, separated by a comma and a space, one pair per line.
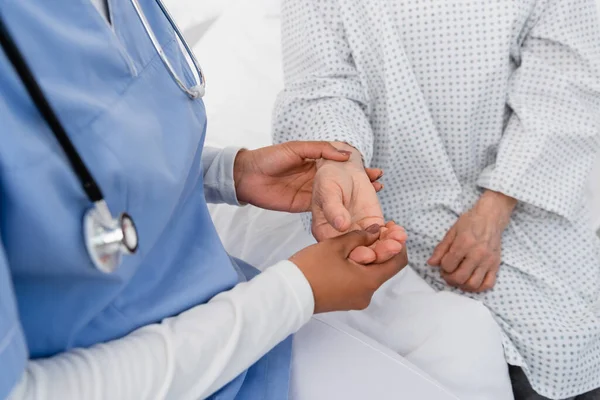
107, 239
88, 183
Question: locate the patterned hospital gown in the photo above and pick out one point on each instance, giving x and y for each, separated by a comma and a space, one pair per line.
453, 96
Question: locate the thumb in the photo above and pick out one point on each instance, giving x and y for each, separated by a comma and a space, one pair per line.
351, 240
330, 199
318, 150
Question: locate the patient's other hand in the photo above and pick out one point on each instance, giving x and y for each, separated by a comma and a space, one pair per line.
469, 254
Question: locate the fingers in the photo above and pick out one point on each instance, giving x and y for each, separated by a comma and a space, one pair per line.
475, 280
318, 150
462, 245
489, 280
351, 240
386, 249
394, 232
476, 273
391, 242
385, 271
378, 186
363, 255
442, 248
374, 174
461, 274
491, 266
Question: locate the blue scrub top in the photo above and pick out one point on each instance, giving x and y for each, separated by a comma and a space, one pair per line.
141, 137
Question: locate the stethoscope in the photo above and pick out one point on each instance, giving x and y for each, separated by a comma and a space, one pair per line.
106, 238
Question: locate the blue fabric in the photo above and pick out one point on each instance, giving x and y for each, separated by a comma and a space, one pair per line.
141, 137
13, 351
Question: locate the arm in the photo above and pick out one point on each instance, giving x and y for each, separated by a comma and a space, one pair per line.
548, 146
184, 356
552, 138
324, 98
196, 353
217, 165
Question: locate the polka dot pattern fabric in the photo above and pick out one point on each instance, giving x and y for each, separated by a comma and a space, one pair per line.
450, 98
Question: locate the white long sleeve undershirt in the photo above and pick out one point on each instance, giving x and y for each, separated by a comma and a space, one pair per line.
189, 356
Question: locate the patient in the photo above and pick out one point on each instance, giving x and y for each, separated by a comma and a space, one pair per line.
486, 118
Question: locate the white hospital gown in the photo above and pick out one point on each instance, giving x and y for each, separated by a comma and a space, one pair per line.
453, 96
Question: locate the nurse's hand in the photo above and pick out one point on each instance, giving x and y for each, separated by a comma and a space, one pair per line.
469, 254
281, 177
337, 282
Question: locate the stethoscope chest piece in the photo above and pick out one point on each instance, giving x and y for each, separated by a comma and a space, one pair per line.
107, 239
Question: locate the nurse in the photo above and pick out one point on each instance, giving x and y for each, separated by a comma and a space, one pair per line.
102, 117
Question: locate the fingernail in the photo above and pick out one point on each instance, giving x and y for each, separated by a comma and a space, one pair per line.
380, 175
345, 152
375, 228
338, 222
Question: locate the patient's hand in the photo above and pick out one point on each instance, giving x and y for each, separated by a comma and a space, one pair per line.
343, 200
391, 242
281, 177
469, 254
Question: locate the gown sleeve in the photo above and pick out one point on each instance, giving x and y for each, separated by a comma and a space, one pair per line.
324, 98
553, 135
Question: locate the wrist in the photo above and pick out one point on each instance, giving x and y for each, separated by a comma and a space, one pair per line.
240, 167
355, 160
299, 286
496, 205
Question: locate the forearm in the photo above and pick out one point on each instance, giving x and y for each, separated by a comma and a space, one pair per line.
188, 356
